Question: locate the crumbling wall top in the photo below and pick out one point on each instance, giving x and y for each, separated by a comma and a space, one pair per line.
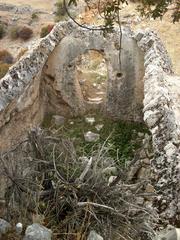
160, 116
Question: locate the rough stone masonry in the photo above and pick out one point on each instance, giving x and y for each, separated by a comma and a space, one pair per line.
161, 113
43, 81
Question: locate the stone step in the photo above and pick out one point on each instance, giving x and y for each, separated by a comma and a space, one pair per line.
95, 100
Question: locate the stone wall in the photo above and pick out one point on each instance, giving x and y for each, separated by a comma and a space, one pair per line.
125, 91
21, 94
59, 74
160, 113
44, 81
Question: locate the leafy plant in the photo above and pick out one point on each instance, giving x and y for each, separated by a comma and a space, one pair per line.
34, 16
46, 30
157, 9
109, 11
125, 140
60, 11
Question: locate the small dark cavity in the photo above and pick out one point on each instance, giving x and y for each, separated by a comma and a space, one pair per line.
119, 74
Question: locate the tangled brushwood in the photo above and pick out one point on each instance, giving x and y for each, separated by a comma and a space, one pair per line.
73, 195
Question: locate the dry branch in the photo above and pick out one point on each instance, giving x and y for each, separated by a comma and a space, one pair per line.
73, 196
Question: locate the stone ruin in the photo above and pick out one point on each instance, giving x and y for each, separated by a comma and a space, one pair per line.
43, 81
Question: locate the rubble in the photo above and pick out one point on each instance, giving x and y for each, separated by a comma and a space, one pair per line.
37, 232
91, 136
5, 227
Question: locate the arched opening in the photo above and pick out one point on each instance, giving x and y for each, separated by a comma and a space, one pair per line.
88, 76
91, 73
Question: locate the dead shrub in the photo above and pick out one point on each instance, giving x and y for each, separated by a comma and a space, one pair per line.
72, 194
6, 57
25, 33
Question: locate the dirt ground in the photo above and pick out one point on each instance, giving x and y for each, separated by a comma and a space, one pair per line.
45, 17
40, 4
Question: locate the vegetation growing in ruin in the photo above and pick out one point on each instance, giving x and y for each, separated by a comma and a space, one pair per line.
46, 30
64, 183
122, 138
72, 194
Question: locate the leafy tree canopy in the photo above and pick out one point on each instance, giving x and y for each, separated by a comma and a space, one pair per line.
157, 8
110, 9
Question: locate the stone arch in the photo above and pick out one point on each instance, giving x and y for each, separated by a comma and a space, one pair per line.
124, 94
61, 67
33, 87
